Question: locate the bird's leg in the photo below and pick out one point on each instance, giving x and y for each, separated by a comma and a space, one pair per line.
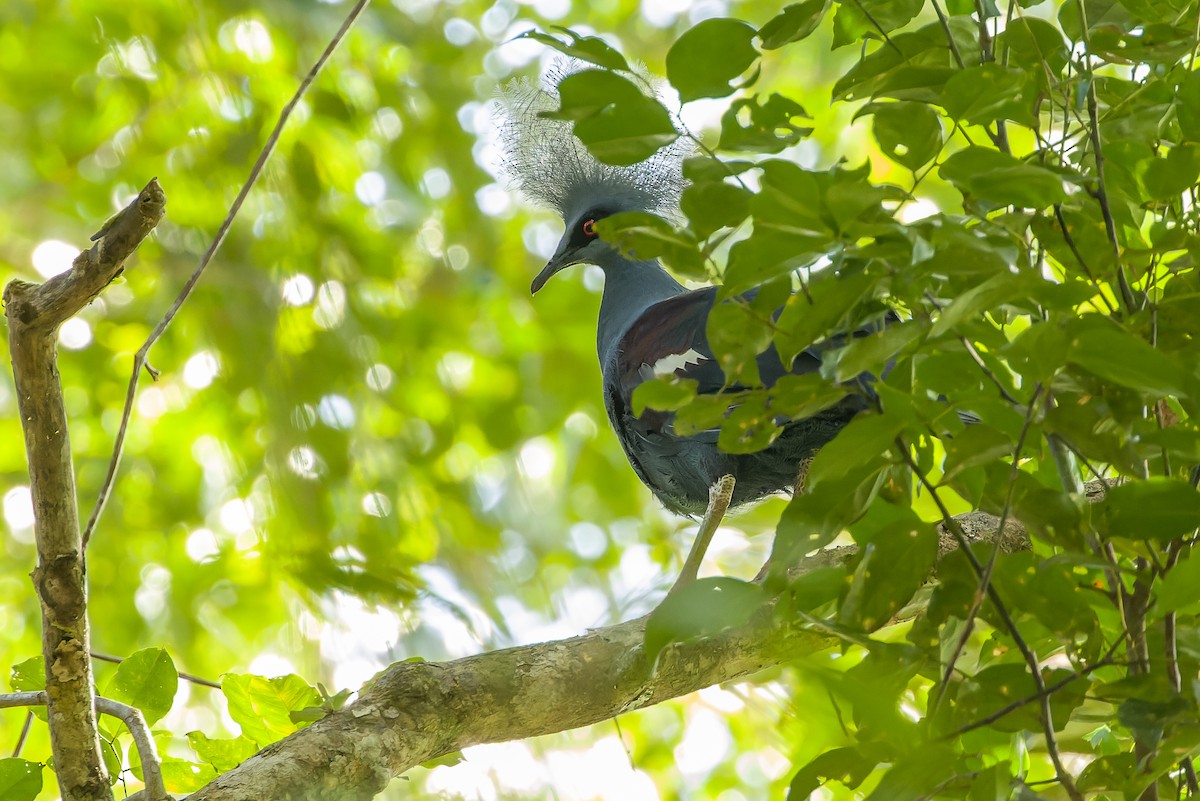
719, 495
801, 479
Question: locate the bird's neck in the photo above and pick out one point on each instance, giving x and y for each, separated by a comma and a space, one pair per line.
630, 287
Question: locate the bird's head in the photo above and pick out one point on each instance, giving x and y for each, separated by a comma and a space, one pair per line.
542, 156
580, 243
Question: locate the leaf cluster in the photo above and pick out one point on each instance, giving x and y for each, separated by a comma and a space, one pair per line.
1051, 303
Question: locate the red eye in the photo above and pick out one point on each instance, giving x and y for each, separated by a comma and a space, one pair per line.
589, 228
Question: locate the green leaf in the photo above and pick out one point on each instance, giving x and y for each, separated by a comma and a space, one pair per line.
794, 23
871, 19
1038, 352
754, 127
749, 427
112, 759
708, 56
889, 569
1036, 46
736, 335
1055, 515
803, 322
767, 255
815, 517
1124, 359
908, 133
613, 118
1000, 180
970, 305
713, 205
1154, 509
1100, 14
707, 412
847, 765
640, 235
20, 780
263, 707
977, 445
1048, 591
224, 754
148, 680
29, 676
990, 92
448, 760
1187, 105
800, 396
1180, 588
919, 774
710, 169
997, 686
815, 588
184, 776
870, 354
863, 442
1170, 176
701, 609
664, 393
1149, 718
1108, 772
591, 49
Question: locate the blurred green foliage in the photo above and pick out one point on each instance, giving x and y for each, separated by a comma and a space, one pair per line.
368, 444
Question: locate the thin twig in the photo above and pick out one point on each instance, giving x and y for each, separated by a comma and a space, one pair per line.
1104, 661
1173, 674
941, 15
139, 359
24, 735
1070, 240
977, 358
986, 579
116, 660
879, 28
1110, 225
10, 700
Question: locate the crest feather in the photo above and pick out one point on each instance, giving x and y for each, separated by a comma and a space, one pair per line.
544, 159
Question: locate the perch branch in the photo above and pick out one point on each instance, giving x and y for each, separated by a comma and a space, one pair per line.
414, 712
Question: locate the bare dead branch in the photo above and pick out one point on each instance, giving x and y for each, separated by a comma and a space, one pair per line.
44, 307
34, 312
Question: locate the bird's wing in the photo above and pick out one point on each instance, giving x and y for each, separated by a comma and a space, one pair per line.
670, 339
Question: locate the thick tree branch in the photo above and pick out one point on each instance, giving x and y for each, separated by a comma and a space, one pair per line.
35, 311
414, 712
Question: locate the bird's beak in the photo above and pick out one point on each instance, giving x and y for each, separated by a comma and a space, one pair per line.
563, 257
